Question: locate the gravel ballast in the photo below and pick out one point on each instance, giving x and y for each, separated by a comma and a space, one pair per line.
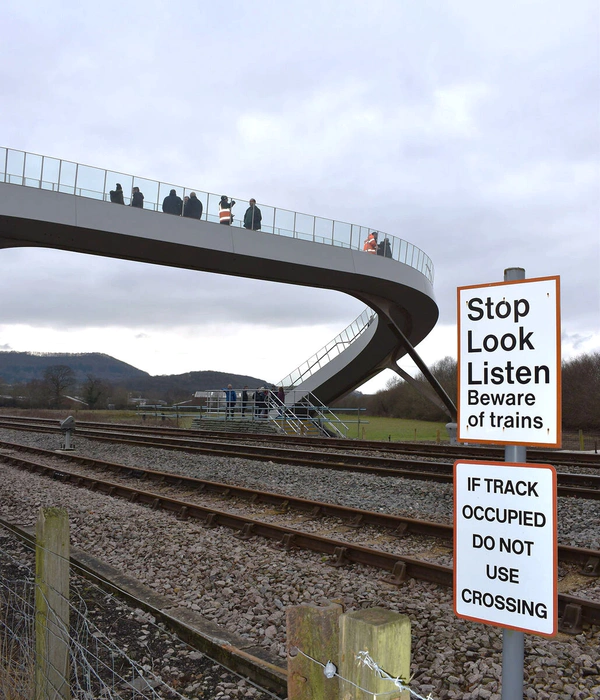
247, 588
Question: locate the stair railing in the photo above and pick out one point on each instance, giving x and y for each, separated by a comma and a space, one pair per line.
330, 351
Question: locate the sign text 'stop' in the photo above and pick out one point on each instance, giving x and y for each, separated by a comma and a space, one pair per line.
509, 363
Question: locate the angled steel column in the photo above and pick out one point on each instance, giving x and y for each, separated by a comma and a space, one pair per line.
393, 314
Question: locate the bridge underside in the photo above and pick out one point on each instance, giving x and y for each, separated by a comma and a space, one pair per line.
401, 296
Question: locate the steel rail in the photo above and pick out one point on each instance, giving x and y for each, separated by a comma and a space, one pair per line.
356, 517
569, 485
218, 643
558, 458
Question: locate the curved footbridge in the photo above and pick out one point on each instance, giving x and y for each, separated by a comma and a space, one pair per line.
37, 212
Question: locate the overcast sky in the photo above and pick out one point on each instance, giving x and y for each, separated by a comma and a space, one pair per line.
469, 128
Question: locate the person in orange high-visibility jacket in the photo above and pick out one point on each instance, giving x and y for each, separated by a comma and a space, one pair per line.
370, 245
225, 216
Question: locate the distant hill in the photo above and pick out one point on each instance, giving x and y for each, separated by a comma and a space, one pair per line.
192, 381
22, 367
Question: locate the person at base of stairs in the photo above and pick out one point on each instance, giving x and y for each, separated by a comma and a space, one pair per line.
230, 401
281, 401
260, 403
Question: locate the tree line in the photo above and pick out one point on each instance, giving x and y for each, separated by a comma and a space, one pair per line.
59, 386
580, 394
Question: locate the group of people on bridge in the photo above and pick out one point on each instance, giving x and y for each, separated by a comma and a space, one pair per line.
191, 207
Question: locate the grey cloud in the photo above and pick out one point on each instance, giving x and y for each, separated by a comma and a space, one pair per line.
467, 128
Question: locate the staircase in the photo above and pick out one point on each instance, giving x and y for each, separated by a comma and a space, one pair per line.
237, 425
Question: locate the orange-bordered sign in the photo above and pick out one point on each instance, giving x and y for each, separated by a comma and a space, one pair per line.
505, 547
509, 372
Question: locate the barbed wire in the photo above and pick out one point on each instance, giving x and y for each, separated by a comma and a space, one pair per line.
330, 671
96, 635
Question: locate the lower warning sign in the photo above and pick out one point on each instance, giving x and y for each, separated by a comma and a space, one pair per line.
505, 545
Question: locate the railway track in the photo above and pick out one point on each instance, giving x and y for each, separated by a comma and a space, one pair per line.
569, 484
353, 517
341, 551
450, 452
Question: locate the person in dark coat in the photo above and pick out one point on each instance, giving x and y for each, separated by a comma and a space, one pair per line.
116, 195
193, 207
252, 217
172, 204
384, 248
259, 402
244, 400
137, 198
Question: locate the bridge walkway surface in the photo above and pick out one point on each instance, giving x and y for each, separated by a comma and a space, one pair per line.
50, 203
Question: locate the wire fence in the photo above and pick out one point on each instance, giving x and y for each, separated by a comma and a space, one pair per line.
363, 658
98, 667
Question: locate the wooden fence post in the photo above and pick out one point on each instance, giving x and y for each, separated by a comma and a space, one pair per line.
52, 605
385, 635
314, 631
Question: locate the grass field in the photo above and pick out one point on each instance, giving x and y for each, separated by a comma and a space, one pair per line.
394, 429
369, 428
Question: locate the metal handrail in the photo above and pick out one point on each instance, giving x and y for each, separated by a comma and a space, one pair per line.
275, 411
339, 343
57, 175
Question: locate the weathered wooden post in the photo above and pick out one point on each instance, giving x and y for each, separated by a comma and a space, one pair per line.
52, 605
385, 635
315, 632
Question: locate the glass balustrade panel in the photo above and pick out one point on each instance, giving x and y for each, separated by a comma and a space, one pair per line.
67, 177
90, 182
15, 166
284, 223
50, 170
304, 227
342, 234
323, 230
3, 159
33, 170
268, 217
212, 208
356, 237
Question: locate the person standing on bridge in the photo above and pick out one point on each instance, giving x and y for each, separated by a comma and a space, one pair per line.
225, 206
137, 198
192, 209
172, 204
384, 248
252, 217
116, 195
370, 245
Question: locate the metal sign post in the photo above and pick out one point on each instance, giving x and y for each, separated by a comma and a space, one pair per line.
505, 514
513, 642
